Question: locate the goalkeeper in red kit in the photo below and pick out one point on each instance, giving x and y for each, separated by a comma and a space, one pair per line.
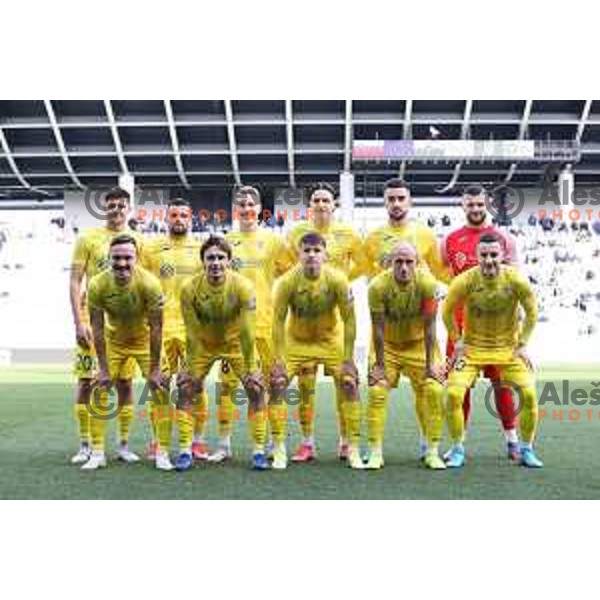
459, 254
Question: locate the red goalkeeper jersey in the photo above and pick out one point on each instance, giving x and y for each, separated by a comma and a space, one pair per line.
459, 248
459, 252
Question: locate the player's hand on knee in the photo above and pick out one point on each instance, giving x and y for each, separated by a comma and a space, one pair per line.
458, 358
187, 385
156, 379
438, 372
253, 382
279, 376
349, 374
83, 333
377, 376
104, 381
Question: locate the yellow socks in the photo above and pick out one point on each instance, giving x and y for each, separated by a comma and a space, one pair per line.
82, 416
529, 415
306, 387
377, 414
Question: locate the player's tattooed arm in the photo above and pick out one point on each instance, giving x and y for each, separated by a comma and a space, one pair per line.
82, 331
432, 370
346, 308
377, 372
281, 305
97, 319
378, 337
248, 333
155, 321
454, 298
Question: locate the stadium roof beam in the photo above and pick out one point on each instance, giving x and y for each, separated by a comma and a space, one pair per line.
583, 121
232, 142
115, 135
61, 144
464, 133
348, 136
15, 168
522, 133
175, 143
406, 131
289, 128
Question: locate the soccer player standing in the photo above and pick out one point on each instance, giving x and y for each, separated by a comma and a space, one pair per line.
344, 252
174, 258
321, 329
492, 335
90, 257
260, 256
219, 312
459, 253
403, 307
402, 228
126, 304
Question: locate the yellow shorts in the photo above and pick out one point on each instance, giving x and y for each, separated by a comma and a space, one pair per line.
200, 365
122, 360
511, 369
408, 361
304, 358
173, 355
85, 364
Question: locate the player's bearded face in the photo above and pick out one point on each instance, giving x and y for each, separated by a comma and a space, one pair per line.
475, 211
404, 266
490, 259
117, 210
123, 258
322, 203
216, 263
180, 220
397, 203
312, 257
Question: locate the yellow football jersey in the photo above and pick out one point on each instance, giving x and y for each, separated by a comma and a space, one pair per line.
381, 241
261, 257
344, 246
314, 305
403, 306
126, 307
174, 259
213, 314
491, 309
91, 254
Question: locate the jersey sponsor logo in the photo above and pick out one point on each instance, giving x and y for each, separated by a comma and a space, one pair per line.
167, 270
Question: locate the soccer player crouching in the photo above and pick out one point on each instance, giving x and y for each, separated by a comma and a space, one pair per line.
315, 296
219, 312
403, 307
126, 304
492, 336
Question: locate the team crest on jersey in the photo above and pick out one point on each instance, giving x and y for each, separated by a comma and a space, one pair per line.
167, 270
460, 259
236, 263
102, 263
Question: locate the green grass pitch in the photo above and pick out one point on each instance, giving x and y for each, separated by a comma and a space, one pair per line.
38, 436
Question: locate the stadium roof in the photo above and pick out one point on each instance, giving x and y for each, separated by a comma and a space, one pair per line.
47, 146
